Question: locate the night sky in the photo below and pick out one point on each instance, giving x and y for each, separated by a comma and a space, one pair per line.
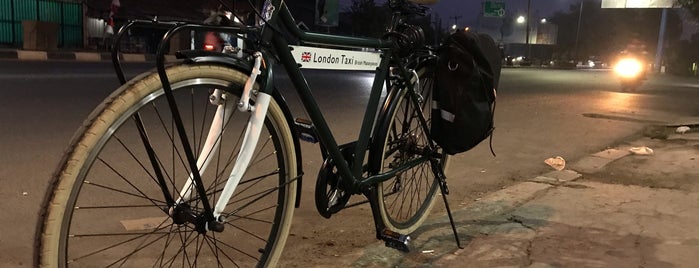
469, 9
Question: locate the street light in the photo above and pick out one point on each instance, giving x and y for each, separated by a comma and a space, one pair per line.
521, 19
543, 20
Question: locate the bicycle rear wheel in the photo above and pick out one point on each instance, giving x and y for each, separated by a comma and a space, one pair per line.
107, 208
406, 199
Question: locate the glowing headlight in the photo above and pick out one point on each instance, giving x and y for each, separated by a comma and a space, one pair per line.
628, 67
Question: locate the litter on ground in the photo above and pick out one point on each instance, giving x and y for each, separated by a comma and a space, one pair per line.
641, 150
558, 163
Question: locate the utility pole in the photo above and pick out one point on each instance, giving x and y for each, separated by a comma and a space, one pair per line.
437, 21
529, 46
661, 42
456, 18
577, 33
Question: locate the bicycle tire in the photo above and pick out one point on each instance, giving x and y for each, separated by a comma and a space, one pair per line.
406, 199
82, 221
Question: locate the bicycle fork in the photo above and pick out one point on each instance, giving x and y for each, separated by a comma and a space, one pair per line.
180, 211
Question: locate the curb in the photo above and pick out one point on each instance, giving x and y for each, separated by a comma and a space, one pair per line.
436, 245
438, 241
29, 55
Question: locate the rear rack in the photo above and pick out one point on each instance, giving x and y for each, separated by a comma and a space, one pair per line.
173, 27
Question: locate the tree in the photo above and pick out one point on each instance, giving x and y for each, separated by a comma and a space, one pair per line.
691, 5
604, 32
368, 19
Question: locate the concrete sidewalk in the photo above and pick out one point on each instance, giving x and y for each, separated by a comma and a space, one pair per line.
18, 54
610, 209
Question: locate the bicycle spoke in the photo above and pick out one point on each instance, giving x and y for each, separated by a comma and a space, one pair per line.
406, 199
257, 196
123, 192
139, 235
248, 216
217, 252
168, 240
218, 190
117, 206
233, 248
138, 248
133, 156
126, 180
175, 151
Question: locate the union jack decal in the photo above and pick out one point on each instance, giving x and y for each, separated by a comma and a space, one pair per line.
306, 57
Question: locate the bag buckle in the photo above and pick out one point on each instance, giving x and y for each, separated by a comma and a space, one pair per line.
452, 68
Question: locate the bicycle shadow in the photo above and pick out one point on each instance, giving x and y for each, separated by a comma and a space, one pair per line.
520, 237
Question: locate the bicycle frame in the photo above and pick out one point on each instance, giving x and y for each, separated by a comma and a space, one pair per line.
350, 170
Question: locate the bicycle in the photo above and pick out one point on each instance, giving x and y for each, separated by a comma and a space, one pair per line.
138, 183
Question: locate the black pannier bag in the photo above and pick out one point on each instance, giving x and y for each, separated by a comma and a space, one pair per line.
467, 75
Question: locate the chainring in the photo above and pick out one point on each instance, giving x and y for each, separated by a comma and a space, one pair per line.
330, 197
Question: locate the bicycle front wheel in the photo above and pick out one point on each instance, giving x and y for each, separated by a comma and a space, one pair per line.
107, 207
406, 199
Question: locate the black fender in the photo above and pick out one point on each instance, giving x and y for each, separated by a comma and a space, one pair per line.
427, 60
205, 56
231, 61
380, 131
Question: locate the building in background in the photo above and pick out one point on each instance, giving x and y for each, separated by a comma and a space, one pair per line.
509, 29
41, 24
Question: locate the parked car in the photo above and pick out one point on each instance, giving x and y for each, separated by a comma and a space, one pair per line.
562, 64
517, 60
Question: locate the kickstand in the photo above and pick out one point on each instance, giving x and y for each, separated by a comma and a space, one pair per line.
445, 191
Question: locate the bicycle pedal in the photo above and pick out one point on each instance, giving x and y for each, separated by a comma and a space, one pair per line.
395, 240
307, 132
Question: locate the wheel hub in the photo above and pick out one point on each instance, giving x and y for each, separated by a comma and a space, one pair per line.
183, 214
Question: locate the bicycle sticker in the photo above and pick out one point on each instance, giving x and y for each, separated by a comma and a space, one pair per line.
267, 10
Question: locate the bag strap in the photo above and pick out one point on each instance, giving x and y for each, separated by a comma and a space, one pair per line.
492, 130
470, 42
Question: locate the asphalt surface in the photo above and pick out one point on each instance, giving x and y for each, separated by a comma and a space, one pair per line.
83, 56
612, 208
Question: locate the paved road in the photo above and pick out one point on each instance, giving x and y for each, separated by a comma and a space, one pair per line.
540, 114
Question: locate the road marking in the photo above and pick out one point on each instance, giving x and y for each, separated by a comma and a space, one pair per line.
134, 57
32, 55
87, 56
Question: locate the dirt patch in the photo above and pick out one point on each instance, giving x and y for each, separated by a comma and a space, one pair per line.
674, 164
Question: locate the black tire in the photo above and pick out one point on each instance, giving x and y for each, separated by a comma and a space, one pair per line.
406, 200
106, 207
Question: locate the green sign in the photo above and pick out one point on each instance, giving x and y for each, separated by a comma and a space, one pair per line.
493, 9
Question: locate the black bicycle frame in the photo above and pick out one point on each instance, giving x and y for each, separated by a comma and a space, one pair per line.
272, 37
352, 172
